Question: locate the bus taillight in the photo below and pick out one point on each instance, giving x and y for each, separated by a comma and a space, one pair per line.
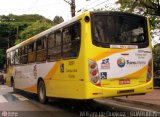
93, 65
94, 73
149, 72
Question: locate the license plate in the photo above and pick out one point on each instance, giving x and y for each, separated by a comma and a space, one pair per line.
124, 81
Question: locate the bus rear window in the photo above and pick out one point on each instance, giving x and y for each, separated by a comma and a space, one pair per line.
118, 29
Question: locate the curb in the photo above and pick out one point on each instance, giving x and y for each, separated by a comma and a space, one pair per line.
157, 87
136, 102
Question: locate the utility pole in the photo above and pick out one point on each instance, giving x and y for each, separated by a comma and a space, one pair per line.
73, 6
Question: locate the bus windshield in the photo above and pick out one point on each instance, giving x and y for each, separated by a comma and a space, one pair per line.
118, 29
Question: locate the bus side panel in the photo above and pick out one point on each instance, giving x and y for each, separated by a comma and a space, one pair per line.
67, 78
26, 76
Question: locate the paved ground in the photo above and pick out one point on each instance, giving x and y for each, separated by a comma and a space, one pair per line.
25, 105
150, 99
18, 105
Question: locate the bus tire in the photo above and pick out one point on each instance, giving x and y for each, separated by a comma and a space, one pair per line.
13, 85
12, 82
42, 92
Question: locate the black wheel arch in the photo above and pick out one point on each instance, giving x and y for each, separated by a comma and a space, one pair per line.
11, 81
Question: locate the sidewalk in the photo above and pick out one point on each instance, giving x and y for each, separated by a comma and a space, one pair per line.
150, 99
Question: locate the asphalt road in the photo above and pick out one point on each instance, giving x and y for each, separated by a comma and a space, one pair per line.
26, 105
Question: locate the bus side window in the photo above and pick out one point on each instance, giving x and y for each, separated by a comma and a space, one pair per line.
54, 46
41, 49
66, 43
57, 48
51, 45
8, 62
17, 56
12, 57
76, 40
31, 53
71, 41
24, 57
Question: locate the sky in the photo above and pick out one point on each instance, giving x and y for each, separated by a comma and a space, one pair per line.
48, 8
51, 8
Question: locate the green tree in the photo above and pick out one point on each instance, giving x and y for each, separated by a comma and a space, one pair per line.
2, 56
150, 8
57, 20
156, 57
26, 25
22, 18
35, 28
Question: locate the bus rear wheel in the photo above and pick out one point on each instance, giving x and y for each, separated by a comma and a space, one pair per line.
42, 92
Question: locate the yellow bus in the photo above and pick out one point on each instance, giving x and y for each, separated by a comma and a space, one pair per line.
95, 54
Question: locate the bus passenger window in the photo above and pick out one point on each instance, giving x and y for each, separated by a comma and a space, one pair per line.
54, 46
41, 49
51, 44
75, 40
31, 53
66, 43
12, 57
31, 47
71, 41
8, 59
24, 57
17, 56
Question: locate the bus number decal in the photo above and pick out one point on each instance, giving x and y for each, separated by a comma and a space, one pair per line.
71, 63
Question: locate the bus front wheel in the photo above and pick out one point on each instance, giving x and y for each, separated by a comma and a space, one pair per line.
13, 85
42, 92
12, 82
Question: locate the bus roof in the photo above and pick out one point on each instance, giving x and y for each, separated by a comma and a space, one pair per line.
34, 38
